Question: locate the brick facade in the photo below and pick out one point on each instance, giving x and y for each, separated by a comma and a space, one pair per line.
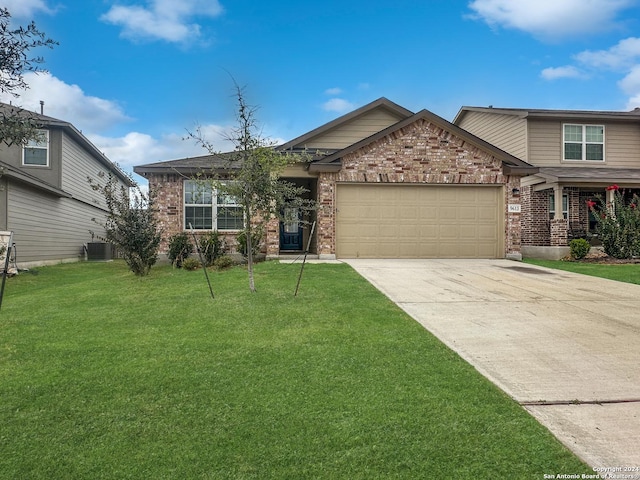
539, 229
420, 153
169, 191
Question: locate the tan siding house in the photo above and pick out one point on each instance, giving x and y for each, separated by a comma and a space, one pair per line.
578, 154
344, 135
509, 131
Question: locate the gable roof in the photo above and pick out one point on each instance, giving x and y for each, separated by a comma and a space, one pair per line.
633, 115
330, 159
380, 104
220, 162
190, 166
73, 132
333, 162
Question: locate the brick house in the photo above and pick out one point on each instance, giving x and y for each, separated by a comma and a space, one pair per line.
389, 183
578, 154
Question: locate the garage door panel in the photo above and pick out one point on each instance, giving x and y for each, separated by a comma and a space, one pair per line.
401, 221
449, 233
446, 212
448, 195
468, 232
428, 213
388, 212
487, 214
428, 250
468, 214
428, 232
487, 233
408, 213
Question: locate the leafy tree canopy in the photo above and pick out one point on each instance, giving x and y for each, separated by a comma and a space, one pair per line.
17, 125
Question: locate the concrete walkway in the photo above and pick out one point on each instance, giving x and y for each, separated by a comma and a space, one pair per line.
565, 346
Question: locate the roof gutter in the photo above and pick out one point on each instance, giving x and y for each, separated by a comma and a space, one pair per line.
325, 167
33, 182
519, 170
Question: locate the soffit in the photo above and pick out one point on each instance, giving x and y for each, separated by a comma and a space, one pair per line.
584, 176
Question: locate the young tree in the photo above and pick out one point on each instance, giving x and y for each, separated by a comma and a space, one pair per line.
253, 176
18, 126
131, 224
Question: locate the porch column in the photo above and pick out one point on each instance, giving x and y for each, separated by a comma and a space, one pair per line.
610, 196
273, 237
558, 223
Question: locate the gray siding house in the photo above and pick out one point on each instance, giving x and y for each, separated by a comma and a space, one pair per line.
45, 198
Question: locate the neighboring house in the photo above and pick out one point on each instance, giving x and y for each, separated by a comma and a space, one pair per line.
578, 155
45, 197
389, 183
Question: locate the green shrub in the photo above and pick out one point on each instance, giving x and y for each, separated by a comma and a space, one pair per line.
618, 224
579, 248
179, 249
256, 238
224, 262
211, 246
190, 263
131, 223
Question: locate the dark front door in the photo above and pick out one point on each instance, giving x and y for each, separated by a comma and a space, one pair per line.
291, 230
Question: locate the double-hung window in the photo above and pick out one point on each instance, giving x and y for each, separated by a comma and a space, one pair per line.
552, 206
207, 209
583, 142
36, 151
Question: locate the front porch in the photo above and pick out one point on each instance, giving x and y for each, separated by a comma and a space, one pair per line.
555, 210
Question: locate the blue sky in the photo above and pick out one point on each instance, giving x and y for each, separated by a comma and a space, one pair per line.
135, 75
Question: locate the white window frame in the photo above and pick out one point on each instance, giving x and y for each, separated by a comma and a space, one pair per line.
583, 142
552, 206
211, 193
40, 143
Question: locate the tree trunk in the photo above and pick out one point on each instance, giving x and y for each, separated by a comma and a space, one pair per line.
252, 285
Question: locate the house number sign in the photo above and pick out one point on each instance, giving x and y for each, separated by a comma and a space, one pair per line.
514, 208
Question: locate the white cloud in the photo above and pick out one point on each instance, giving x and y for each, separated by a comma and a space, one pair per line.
25, 9
333, 91
137, 148
93, 116
568, 71
620, 56
624, 57
551, 19
337, 105
67, 102
634, 102
630, 84
167, 20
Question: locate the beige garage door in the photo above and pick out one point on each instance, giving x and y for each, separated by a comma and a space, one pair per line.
400, 221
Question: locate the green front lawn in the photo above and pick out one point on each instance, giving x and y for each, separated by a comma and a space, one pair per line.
105, 375
628, 273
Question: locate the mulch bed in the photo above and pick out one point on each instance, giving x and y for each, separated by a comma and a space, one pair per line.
598, 256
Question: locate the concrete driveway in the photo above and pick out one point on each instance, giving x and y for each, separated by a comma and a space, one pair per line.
565, 346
